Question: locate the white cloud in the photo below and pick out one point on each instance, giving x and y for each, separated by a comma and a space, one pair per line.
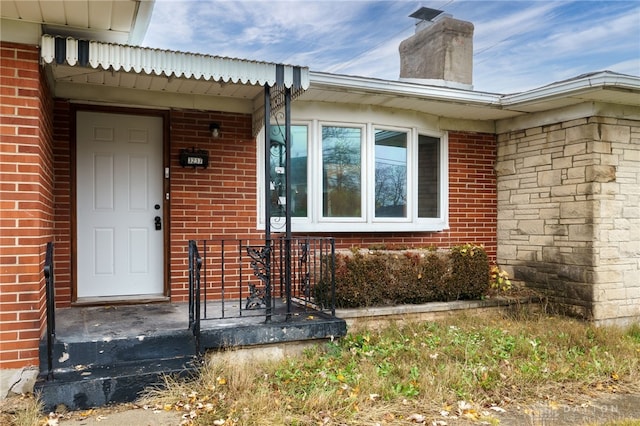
518, 45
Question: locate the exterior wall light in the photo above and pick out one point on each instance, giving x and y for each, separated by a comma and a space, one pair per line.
214, 128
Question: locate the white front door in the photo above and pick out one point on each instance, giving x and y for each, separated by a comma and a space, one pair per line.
119, 200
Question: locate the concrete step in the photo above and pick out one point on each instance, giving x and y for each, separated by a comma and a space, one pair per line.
69, 354
94, 386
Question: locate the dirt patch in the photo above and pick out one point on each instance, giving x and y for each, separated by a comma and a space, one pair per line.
602, 408
118, 415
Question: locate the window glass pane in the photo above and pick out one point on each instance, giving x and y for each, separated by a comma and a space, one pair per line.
341, 168
391, 174
298, 175
428, 176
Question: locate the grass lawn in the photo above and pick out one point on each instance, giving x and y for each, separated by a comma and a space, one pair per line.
464, 367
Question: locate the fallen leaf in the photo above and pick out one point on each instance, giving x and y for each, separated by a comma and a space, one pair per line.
497, 409
417, 418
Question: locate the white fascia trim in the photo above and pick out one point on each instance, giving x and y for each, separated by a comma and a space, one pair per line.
571, 87
141, 21
401, 88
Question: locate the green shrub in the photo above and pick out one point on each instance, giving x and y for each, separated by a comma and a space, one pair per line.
382, 278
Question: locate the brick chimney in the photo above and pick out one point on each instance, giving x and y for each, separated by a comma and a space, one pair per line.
440, 52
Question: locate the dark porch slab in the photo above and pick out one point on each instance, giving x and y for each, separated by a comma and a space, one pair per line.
109, 354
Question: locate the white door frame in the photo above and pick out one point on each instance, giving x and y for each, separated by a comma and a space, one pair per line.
164, 211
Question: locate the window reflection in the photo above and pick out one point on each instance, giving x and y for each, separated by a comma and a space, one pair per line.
341, 171
390, 173
428, 176
298, 175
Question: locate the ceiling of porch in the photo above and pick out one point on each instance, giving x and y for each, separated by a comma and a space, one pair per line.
115, 21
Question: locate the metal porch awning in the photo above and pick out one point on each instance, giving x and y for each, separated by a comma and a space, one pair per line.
159, 69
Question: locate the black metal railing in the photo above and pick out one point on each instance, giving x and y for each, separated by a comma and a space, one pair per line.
279, 278
51, 307
195, 265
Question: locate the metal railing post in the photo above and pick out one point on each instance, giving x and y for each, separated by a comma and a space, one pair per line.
51, 307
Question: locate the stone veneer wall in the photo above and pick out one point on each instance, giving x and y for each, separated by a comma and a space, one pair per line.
569, 214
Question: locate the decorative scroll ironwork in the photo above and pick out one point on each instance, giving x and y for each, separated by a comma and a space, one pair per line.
260, 264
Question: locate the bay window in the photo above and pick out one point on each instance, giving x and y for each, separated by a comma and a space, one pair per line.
358, 177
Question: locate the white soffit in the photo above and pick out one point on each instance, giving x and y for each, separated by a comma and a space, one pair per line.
120, 21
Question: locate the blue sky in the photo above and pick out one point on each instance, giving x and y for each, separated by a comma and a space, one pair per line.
518, 45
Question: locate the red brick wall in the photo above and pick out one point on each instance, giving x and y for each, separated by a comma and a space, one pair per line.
62, 196
216, 202
26, 202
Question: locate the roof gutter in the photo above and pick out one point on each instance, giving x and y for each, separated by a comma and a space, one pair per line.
371, 86
602, 80
141, 21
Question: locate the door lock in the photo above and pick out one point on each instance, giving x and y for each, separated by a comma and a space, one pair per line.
158, 222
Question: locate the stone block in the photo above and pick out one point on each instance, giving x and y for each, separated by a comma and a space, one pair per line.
590, 188
609, 160
600, 173
605, 310
531, 227
537, 160
541, 240
609, 208
557, 230
506, 184
613, 133
506, 252
533, 131
562, 163
602, 277
609, 253
520, 199
581, 232
505, 214
576, 173
618, 235
599, 147
572, 273
550, 178
549, 213
575, 149
609, 188
576, 209
526, 255
575, 123
564, 190
507, 224
506, 149
631, 155
505, 167
587, 132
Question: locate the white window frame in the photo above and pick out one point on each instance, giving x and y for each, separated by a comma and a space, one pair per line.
367, 223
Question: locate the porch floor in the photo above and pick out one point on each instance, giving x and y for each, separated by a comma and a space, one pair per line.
105, 354
97, 323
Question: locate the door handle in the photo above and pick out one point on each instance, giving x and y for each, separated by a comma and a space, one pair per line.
158, 223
